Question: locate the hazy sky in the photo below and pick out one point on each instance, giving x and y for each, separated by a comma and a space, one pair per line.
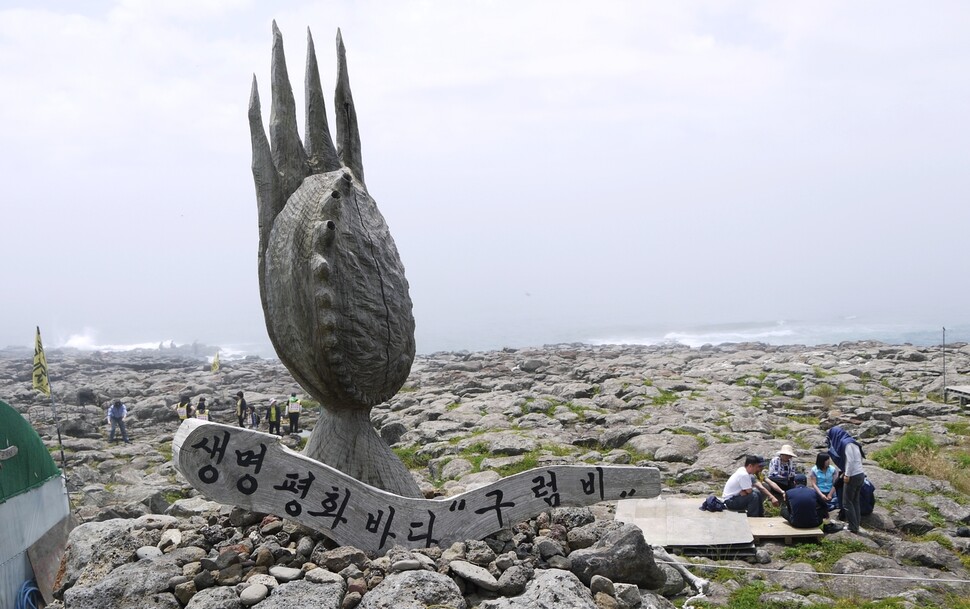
543, 166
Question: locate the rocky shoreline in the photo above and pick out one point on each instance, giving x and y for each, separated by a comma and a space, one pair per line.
465, 419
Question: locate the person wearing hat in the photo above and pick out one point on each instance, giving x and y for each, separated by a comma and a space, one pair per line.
740, 493
803, 508
274, 413
781, 470
241, 409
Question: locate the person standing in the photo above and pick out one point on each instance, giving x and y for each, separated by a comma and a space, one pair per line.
253, 417
117, 415
293, 409
203, 412
241, 409
184, 408
847, 454
739, 491
273, 415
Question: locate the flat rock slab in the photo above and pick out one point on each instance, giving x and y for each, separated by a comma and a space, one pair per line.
679, 521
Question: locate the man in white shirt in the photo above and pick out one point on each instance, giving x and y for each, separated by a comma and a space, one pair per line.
740, 492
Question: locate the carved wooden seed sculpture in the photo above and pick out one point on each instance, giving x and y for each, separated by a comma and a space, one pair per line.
331, 282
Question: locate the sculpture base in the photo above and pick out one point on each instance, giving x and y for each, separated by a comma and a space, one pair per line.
345, 439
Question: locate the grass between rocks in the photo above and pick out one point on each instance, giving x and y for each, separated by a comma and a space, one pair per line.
824, 554
917, 453
748, 596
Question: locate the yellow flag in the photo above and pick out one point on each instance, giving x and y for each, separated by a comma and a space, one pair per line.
215, 363
41, 382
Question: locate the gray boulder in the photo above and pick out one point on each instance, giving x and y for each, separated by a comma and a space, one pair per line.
411, 590
621, 556
142, 584
550, 589
218, 597
301, 593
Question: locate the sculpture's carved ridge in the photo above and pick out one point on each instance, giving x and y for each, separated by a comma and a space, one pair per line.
331, 281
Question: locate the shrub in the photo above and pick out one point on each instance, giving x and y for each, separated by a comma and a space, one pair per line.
907, 454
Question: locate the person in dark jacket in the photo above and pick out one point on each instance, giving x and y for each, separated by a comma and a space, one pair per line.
242, 410
803, 508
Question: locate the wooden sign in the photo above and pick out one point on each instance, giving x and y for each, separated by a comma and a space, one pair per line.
254, 471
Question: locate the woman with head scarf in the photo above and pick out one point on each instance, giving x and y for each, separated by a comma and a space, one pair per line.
847, 454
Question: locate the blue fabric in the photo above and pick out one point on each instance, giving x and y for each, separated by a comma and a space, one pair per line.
825, 479
712, 504
838, 439
803, 508
867, 498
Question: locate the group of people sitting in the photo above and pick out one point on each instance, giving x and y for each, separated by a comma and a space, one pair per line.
247, 415
834, 482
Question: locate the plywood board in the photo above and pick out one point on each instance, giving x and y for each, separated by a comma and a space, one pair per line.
778, 528
678, 521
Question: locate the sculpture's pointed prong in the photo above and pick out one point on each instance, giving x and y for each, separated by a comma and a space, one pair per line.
288, 153
269, 195
321, 155
348, 137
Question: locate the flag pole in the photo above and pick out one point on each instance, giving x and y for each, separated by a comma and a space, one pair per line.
944, 364
42, 383
57, 424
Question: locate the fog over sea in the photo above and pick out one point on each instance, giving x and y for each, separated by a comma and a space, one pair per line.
536, 335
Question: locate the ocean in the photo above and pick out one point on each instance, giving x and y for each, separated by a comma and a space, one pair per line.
536, 335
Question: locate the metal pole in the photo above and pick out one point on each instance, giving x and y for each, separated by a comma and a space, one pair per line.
57, 421
944, 364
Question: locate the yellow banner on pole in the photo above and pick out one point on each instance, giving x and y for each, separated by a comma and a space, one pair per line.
215, 363
41, 381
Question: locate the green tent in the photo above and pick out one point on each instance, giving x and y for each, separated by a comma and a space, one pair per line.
34, 509
32, 466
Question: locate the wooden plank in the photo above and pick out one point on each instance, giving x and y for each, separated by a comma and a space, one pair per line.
678, 521
254, 471
778, 528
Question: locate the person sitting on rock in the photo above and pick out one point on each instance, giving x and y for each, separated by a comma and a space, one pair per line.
822, 478
203, 412
740, 493
781, 470
803, 508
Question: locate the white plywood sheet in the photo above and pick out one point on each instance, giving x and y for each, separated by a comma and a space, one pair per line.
678, 521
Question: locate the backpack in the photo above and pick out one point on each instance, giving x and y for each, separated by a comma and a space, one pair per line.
867, 498
712, 504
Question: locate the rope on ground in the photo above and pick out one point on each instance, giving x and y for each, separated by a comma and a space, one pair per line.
820, 573
26, 596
